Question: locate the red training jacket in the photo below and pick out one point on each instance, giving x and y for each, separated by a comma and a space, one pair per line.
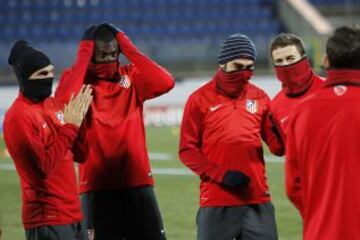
281, 105
111, 142
322, 159
219, 134
40, 146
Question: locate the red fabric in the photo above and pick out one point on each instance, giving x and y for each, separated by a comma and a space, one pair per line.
232, 84
219, 134
281, 106
322, 160
105, 71
112, 142
40, 145
335, 77
72, 79
295, 78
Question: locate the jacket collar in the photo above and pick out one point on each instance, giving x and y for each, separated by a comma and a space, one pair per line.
343, 76
28, 101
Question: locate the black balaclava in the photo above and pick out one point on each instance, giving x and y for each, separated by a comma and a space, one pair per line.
26, 60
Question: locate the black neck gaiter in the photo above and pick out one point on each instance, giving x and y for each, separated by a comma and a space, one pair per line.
37, 90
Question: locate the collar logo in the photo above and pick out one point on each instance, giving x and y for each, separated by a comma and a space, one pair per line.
60, 116
251, 106
125, 82
340, 90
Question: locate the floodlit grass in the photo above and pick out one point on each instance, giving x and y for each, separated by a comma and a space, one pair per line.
177, 195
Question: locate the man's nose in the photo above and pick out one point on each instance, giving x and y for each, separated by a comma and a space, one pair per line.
110, 58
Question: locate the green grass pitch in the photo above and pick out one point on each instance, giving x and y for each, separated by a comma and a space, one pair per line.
177, 195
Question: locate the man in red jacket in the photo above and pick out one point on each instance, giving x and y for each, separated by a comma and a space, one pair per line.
322, 154
116, 182
223, 124
39, 133
294, 71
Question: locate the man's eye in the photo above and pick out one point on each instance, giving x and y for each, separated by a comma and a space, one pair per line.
242, 67
249, 67
290, 58
43, 73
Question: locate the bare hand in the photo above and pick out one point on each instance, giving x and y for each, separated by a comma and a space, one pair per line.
76, 109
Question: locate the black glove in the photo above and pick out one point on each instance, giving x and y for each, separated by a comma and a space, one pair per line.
89, 33
275, 128
235, 179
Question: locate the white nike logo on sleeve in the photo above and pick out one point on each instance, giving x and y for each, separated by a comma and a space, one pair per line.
213, 108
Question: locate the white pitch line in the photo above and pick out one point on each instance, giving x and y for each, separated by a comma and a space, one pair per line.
159, 171
172, 171
7, 166
273, 158
159, 156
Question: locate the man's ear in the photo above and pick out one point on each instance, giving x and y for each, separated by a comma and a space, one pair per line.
223, 67
326, 62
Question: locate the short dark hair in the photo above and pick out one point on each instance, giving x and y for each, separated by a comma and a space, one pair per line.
103, 33
287, 39
343, 48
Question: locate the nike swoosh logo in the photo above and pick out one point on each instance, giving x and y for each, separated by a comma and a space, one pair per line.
213, 108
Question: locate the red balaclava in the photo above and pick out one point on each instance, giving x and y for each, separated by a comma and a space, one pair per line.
107, 71
233, 83
295, 78
235, 46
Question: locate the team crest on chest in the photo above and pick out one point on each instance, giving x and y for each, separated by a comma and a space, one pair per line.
60, 116
125, 81
251, 106
340, 90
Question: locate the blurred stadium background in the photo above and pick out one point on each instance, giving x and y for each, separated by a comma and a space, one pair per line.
184, 36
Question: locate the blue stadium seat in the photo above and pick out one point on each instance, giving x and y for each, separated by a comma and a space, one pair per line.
160, 20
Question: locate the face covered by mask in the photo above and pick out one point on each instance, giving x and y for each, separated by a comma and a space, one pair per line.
25, 61
108, 71
105, 62
233, 83
295, 78
38, 90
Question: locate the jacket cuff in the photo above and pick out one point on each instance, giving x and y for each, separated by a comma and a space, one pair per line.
71, 131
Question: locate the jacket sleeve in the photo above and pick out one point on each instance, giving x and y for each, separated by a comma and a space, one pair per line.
190, 144
26, 138
271, 132
81, 147
74, 77
150, 79
292, 172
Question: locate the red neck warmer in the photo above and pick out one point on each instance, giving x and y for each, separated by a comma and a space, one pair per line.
295, 78
343, 76
105, 71
232, 84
